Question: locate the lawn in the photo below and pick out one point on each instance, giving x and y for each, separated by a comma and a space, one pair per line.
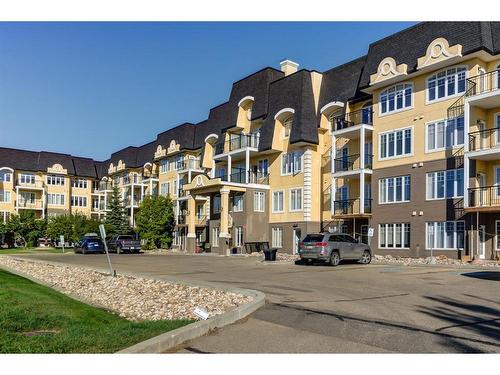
35, 250
37, 319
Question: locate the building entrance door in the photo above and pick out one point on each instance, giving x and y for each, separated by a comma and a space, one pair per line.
482, 242
296, 240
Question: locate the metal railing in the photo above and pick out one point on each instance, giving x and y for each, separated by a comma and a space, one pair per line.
238, 142
37, 204
351, 206
362, 116
181, 219
240, 177
484, 139
188, 164
352, 162
485, 196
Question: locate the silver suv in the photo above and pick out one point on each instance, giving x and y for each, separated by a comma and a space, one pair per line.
332, 248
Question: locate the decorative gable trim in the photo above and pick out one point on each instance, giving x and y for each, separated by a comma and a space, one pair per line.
439, 50
388, 70
58, 169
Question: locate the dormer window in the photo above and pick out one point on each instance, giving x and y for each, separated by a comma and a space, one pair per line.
249, 113
396, 98
287, 127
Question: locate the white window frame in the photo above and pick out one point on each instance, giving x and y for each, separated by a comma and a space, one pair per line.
164, 163
7, 196
24, 194
446, 123
259, 201
165, 189
241, 206
5, 175
27, 178
287, 127
274, 209
394, 181
292, 158
59, 198
395, 131
78, 201
455, 195
455, 236
215, 236
394, 237
386, 93
238, 236
79, 183
55, 180
217, 208
4, 216
434, 77
277, 237
291, 209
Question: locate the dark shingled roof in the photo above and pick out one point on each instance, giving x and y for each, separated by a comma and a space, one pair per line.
293, 91
39, 161
183, 135
408, 45
340, 83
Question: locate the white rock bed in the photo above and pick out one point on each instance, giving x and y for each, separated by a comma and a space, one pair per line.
132, 298
442, 260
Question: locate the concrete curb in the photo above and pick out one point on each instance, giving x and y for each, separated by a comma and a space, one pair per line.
171, 339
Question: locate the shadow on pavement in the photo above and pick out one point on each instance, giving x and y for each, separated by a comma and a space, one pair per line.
484, 275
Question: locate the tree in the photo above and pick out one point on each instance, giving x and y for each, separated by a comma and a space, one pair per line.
72, 226
24, 228
155, 221
116, 218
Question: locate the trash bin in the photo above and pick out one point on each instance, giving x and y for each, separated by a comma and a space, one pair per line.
270, 255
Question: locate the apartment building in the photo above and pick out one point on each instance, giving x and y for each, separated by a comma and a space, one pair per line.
403, 140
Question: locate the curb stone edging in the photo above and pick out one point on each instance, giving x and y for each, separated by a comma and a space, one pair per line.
170, 339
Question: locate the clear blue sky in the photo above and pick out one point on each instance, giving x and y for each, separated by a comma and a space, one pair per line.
92, 88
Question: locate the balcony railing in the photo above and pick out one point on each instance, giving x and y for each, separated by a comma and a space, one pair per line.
351, 206
239, 142
181, 193
105, 186
484, 139
37, 204
352, 162
486, 196
240, 177
189, 164
30, 184
201, 220
137, 200
181, 219
362, 116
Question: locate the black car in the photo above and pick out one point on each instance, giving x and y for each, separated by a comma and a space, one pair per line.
90, 244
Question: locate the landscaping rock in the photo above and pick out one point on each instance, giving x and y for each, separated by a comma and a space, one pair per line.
132, 298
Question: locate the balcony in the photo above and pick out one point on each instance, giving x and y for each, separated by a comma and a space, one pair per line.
351, 163
240, 177
181, 219
128, 201
240, 142
201, 220
484, 144
188, 165
37, 204
351, 207
349, 121
486, 198
30, 184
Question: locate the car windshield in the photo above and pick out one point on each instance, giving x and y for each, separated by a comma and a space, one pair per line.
126, 237
93, 239
313, 238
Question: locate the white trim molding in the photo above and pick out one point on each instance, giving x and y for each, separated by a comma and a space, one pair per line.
280, 114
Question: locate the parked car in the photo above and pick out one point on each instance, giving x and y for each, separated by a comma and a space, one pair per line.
90, 244
124, 243
333, 248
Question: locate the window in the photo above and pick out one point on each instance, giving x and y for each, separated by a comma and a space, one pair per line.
238, 236
77, 201
263, 166
291, 163
278, 198
179, 162
238, 203
165, 189
4, 216
4, 196
216, 204
396, 98
55, 180
446, 83
79, 183
394, 236
295, 199
445, 235
445, 134
215, 237
5, 176
55, 199
445, 184
287, 127
259, 201
27, 178
396, 143
164, 166
277, 237
95, 204
26, 198
394, 189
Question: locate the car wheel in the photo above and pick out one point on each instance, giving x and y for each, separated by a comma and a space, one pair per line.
366, 258
83, 251
334, 258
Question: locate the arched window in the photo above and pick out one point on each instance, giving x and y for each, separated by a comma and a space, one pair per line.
396, 98
446, 83
287, 127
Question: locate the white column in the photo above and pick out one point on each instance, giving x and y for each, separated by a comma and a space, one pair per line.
362, 147
333, 186
307, 192
362, 192
229, 167
212, 172
466, 158
247, 166
177, 209
333, 189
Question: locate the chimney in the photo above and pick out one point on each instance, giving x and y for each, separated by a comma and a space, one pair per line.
288, 67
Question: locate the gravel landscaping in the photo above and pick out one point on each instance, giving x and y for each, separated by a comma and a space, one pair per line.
442, 260
135, 299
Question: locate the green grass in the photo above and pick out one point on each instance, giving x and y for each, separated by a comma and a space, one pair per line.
35, 250
29, 307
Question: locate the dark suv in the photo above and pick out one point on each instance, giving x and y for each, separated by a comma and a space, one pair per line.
332, 248
90, 244
124, 243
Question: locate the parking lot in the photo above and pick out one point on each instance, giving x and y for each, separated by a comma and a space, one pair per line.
344, 309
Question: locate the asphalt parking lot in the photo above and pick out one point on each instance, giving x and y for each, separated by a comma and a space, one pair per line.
351, 308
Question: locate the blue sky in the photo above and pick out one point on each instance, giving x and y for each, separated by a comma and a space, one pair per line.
89, 89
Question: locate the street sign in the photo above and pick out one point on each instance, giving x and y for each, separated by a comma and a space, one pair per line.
370, 232
61, 240
103, 236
